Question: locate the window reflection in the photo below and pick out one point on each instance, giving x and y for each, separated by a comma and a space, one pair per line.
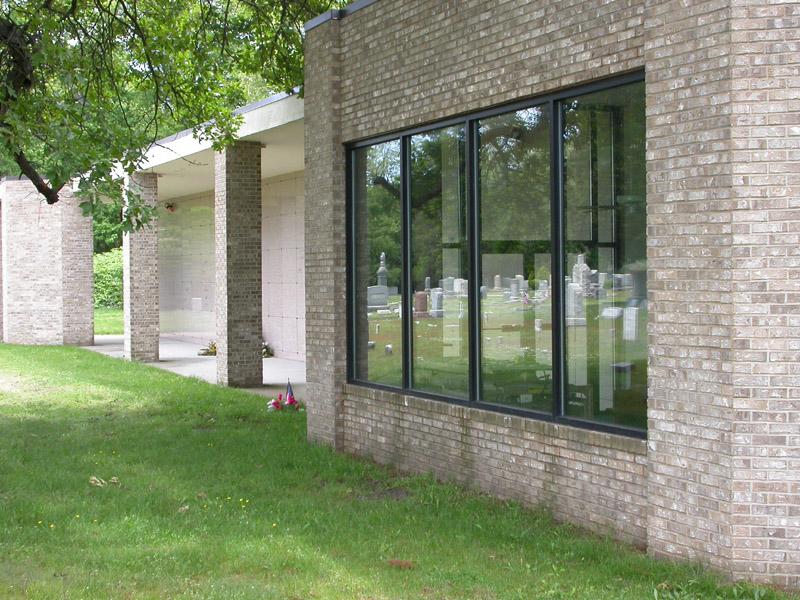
377, 264
439, 263
605, 286
516, 323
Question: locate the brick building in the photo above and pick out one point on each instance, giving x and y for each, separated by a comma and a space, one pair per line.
549, 252
553, 256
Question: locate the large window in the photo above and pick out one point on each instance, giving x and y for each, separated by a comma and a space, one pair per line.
500, 259
439, 263
516, 258
377, 260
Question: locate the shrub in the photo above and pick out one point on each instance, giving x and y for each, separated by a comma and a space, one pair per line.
108, 278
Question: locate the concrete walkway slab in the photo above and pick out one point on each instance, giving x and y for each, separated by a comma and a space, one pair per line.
180, 356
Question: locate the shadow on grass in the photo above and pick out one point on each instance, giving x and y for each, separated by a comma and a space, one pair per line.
216, 498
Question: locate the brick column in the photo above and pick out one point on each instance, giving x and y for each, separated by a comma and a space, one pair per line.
765, 141
140, 278
723, 437
326, 331
237, 224
77, 252
46, 267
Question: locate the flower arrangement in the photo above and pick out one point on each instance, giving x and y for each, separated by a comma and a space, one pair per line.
290, 403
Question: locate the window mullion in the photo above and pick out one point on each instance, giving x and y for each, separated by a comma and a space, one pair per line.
406, 308
473, 241
557, 254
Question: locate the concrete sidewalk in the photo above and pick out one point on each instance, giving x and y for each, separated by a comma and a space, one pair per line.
180, 356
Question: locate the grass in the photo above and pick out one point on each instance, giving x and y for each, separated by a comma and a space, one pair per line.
107, 321
216, 498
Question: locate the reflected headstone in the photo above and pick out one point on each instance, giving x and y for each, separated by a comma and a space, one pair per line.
447, 284
427, 284
377, 297
514, 288
437, 303
421, 304
576, 314
582, 274
630, 321
484, 292
498, 282
382, 271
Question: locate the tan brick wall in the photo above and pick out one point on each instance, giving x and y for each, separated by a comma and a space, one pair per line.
77, 248
237, 231
396, 82
719, 480
326, 332
411, 62
765, 166
690, 204
140, 288
582, 476
47, 267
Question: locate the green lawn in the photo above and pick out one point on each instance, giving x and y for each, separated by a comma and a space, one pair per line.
107, 321
216, 498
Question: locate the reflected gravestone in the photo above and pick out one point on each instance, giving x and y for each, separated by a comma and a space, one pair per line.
447, 284
421, 304
576, 314
544, 290
484, 292
427, 284
498, 282
437, 303
378, 295
582, 274
630, 321
382, 271
514, 288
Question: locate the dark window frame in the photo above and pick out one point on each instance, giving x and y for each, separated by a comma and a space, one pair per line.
470, 122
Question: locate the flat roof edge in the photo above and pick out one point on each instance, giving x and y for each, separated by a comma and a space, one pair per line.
336, 14
239, 111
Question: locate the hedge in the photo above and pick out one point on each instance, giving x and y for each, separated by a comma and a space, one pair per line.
108, 278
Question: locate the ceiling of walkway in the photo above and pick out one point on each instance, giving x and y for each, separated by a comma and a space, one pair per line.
282, 153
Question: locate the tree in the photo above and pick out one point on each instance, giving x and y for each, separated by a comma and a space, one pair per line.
87, 86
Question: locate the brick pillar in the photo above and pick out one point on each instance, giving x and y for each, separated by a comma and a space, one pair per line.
140, 278
237, 224
46, 267
326, 330
765, 162
77, 252
723, 433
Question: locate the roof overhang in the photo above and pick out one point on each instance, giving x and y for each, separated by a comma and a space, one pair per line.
185, 165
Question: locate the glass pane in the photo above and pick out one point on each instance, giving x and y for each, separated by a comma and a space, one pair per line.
516, 323
377, 264
605, 291
440, 329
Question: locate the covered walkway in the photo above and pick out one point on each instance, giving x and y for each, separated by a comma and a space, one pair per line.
180, 356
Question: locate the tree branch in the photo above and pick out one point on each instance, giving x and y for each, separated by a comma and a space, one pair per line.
50, 193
